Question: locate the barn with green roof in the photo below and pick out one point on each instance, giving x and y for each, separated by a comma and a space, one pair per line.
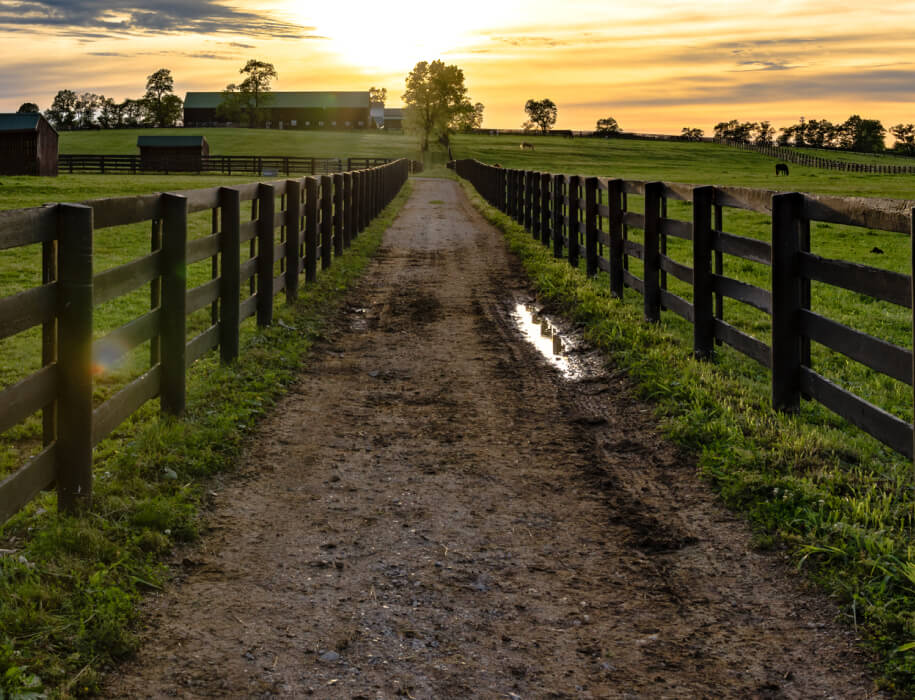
28, 145
286, 110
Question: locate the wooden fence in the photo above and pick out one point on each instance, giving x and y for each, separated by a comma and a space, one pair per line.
569, 213
223, 165
793, 156
318, 218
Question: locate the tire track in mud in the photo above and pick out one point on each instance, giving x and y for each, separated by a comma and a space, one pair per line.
434, 512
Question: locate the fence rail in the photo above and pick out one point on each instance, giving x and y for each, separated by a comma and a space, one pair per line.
317, 219
223, 165
568, 211
793, 156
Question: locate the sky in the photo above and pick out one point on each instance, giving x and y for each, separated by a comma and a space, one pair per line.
655, 66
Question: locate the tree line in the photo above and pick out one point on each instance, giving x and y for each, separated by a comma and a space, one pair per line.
158, 106
854, 134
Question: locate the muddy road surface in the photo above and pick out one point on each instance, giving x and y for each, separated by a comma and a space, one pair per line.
435, 512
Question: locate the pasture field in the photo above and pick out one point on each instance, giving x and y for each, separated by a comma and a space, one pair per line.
257, 142
674, 161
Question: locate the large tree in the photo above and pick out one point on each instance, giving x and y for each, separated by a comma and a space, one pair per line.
436, 101
255, 88
865, 135
542, 113
905, 138
28, 108
163, 104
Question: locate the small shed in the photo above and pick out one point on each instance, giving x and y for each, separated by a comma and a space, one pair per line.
28, 145
173, 153
393, 118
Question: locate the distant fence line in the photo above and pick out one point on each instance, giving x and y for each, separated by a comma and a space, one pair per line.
566, 211
568, 133
793, 156
318, 218
222, 165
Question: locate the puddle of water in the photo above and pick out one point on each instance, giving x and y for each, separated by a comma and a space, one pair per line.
540, 332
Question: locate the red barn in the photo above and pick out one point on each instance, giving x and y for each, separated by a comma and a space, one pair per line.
28, 145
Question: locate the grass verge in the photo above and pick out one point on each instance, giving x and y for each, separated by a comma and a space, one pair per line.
840, 503
69, 586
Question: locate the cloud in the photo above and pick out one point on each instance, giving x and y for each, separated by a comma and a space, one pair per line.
131, 17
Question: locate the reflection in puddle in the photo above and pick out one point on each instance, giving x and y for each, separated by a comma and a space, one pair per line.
543, 335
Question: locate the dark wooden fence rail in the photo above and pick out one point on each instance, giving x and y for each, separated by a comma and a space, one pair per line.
568, 212
321, 217
793, 156
224, 165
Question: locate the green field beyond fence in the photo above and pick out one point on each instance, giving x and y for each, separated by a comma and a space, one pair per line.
105, 304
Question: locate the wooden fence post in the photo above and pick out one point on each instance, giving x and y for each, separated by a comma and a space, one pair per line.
173, 332
703, 287
528, 199
591, 226
230, 275
558, 217
327, 220
338, 214
311, 228
787, 300
293, 216
545, 214
74, 359
535, 205
357, 203
615, 230
347, 209
651, 296
574, 214
265, 259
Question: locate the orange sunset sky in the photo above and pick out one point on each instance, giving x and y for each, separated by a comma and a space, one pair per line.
654, 65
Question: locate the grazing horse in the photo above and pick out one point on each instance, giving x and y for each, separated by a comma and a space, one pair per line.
525, 146
781, 169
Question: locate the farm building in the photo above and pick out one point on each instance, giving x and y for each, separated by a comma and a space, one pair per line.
393, 118
28, 145
288, 110
177, 153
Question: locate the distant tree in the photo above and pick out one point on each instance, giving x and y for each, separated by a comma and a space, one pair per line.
819, 133
235, 105
28, 108
134, 113
257, 86
378, 95
529, 126
905, 138
88, 105
734, 130
110, 114
688, 134
607, 126
163, 104
543, 113
62, 112
436, 101
468, 120
863, 135
765, 134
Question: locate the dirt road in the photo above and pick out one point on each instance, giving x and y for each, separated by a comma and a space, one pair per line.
434, 512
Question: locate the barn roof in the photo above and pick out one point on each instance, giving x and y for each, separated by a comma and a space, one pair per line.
393, 112
293, 100
27, 121
170, 141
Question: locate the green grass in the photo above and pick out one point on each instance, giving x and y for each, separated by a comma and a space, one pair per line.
852, 157
841, 503
68, 593
260, 142
672, 161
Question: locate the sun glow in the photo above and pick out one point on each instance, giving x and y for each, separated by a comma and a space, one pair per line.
384, 37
